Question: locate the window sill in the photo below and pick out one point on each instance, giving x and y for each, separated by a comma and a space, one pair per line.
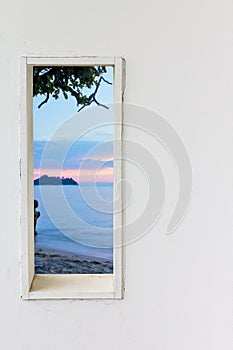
71, 287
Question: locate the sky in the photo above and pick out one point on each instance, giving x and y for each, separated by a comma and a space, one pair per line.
88, 158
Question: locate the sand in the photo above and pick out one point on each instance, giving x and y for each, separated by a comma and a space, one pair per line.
48, 261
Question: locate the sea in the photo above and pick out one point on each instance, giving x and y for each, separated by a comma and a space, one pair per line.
76, 219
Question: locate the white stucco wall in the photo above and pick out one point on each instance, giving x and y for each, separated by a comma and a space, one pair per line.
179, 55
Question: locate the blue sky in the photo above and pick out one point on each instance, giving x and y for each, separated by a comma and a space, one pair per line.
52, 115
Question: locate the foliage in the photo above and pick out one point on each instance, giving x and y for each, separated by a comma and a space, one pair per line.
69, 80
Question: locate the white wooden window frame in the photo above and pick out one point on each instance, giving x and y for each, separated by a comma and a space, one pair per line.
61, 286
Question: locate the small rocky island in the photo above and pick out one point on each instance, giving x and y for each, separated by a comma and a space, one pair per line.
54, 180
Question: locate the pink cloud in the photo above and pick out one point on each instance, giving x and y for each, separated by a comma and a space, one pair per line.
84, 175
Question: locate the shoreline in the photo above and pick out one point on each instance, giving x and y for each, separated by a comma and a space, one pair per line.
60, 251
50, 261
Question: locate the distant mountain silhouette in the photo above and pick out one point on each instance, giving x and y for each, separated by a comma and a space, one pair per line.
53, 180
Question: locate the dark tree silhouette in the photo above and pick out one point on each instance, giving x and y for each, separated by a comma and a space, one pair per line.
69, 80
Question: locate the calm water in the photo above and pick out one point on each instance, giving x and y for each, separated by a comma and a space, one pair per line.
76, 219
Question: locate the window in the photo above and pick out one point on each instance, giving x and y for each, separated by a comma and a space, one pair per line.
72, 244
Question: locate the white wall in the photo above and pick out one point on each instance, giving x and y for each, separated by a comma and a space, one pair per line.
179, 62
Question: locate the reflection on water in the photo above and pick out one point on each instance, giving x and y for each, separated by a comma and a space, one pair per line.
76, 228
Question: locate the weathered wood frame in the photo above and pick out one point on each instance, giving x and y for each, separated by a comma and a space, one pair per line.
66, 286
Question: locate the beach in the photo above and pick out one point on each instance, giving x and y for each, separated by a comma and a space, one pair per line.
48, 261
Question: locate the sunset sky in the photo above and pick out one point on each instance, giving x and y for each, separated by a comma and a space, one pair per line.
90, 158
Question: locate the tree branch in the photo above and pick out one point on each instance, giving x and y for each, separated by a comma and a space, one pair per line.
50, 81
45, 101
92, 97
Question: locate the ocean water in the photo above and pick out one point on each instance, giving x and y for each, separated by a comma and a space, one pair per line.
76, 219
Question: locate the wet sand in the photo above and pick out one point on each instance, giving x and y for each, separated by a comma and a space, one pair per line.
48, 261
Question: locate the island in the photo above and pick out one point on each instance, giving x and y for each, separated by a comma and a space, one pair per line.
54, 180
